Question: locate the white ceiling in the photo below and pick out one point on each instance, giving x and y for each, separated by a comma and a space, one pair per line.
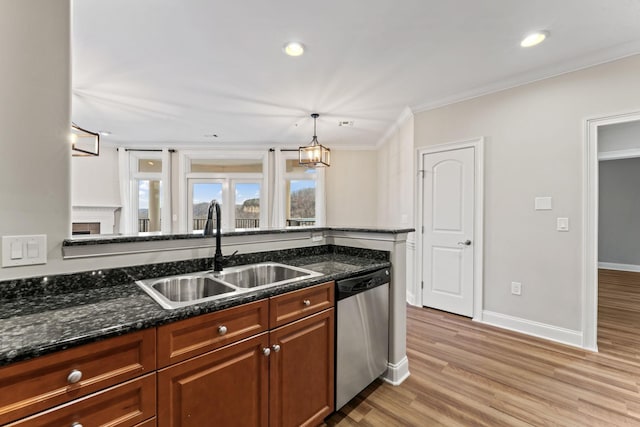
161, 72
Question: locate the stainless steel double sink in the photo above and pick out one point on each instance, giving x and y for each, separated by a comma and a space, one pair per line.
193, 288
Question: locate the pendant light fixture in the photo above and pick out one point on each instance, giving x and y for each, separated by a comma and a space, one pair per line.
314, 154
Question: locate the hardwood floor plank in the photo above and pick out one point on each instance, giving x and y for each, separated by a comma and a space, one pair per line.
465, 373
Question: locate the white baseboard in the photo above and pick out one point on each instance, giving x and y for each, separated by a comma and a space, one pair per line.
620, 267
537, 329
397, 372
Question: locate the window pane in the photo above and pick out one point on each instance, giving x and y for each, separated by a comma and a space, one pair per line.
149, 165
149, 203
203, 193
247, 205
293, 166
301, 202
226, 165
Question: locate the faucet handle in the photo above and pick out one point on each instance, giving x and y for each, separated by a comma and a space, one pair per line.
230, 257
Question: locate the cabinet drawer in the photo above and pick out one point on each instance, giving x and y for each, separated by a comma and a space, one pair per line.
295, 305
124, 405
34, 385
181, 340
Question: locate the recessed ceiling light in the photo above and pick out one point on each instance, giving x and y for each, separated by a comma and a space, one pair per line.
104, 132
293, 48
534, 38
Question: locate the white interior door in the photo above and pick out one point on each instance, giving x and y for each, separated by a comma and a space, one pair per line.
448, 241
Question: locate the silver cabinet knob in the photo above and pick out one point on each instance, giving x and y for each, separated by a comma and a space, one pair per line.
74, 376
465, 243
306, 303
222, 330
76, 424
276, 348
266, 351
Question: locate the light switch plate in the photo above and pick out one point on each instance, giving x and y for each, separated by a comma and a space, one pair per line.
543, 203
562, 224
516, 288
33, 250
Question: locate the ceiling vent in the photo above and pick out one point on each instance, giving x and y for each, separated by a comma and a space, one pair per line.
347, 123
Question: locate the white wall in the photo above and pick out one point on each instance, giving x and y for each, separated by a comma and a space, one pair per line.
351, 188
619, 212
35, 104
94, 179
395, 174
535, 147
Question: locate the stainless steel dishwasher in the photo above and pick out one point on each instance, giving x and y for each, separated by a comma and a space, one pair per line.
362, 332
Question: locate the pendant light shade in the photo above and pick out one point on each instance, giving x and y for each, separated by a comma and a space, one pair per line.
314, 154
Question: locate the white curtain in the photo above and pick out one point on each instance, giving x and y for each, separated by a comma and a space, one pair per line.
277, 200
125, 191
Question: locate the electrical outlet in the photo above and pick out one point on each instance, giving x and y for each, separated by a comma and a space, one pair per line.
516, 288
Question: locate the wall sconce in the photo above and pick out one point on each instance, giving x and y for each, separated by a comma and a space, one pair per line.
314, 154
84, 142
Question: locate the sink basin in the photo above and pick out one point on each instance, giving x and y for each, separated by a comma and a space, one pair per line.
193, 288
179, 291
253, 276
190, 288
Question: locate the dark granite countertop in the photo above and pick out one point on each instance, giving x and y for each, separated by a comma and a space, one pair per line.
38, 323
151, 237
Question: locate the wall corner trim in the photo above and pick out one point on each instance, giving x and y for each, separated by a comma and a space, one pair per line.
541, 330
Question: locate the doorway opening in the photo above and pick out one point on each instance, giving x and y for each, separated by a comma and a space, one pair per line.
605, 143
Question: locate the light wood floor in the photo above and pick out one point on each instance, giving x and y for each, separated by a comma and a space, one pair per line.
467, 374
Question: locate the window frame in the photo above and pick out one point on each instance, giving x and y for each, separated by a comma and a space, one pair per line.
228, 215
319, 177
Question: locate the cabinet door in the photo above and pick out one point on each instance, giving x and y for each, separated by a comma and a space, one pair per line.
225, 387
302, 371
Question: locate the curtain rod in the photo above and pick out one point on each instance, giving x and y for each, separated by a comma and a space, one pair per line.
283, 149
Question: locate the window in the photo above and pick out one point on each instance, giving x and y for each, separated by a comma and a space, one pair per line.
303, 195
236, 180
145, 191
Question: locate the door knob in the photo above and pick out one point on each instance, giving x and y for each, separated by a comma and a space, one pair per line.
465, 243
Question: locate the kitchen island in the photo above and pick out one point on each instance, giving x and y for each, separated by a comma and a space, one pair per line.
46, 316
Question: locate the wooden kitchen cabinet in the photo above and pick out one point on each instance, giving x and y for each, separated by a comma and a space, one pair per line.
283, 377
41, 383
301, 376
225, 387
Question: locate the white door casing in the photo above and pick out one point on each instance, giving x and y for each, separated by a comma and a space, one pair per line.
448, 240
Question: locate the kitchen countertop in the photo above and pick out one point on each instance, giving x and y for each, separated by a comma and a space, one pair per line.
35, 325
92, 239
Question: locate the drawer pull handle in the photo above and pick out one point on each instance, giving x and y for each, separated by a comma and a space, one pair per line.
222, 330
266, 351
73, 377
76, 424
306, 303
276, 348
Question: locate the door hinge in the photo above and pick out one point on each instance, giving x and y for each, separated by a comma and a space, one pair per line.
421, 172
423, 229
422, 285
